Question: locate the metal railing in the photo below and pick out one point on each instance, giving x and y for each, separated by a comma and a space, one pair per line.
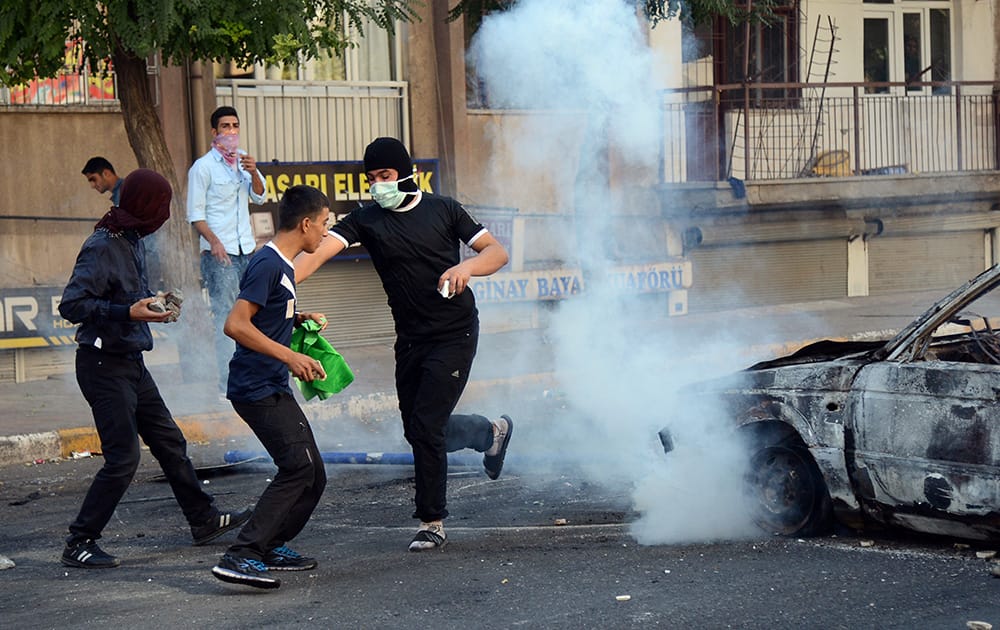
796, 130
315, 121
74, 85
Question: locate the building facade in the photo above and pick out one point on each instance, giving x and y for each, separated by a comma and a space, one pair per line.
849, 148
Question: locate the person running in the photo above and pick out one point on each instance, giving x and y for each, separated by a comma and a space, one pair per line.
261, 324
413, 238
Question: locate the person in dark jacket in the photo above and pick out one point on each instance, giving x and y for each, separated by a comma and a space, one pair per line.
261, 323
108, 296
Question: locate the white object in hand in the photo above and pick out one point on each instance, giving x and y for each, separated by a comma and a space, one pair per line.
446, 290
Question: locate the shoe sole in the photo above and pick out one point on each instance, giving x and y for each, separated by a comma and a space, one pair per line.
503, 451
419, 549
234, 577
228, 528
434, 545
305, 567
83, 565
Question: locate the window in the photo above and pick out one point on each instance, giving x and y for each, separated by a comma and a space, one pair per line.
373, 58
876, 47
477, 94
940, 48
907, 41
769, 55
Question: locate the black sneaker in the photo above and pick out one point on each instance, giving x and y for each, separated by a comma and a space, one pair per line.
87, 555
493, 458
219, 525
284, 559
246, 571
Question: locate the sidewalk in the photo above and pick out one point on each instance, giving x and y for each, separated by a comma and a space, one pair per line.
49, 418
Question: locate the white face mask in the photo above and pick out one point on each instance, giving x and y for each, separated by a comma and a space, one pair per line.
387, 194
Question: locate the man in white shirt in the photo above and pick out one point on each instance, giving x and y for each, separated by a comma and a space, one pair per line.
221, 185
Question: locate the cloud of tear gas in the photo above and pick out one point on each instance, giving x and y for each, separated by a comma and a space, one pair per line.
592, 57
550, 56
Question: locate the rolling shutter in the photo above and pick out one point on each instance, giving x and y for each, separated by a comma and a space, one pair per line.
925, 261
734, 276
8, 372
41, 363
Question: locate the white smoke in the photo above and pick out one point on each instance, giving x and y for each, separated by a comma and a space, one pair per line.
592, 57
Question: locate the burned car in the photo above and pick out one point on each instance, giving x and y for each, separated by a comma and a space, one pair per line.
903, 432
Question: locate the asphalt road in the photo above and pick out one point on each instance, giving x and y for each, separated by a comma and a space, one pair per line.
507, 562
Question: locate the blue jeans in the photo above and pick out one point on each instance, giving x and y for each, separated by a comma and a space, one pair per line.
223, 282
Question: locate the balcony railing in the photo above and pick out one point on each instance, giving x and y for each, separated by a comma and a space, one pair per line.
74, 85
797, 130
301, 121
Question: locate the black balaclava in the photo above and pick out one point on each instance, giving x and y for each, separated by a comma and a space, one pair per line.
390, 153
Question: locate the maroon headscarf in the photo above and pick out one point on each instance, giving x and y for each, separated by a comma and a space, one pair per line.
144, 204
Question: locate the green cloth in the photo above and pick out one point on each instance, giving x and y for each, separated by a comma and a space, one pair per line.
307, 340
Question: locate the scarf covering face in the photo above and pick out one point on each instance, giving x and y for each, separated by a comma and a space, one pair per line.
144, 204
228, 145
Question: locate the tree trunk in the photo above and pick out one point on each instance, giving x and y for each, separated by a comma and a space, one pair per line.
173, 244
171, 250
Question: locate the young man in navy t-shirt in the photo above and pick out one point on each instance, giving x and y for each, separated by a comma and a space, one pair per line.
413, 238
261, 323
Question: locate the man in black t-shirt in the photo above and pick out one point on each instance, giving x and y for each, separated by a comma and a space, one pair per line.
413, 238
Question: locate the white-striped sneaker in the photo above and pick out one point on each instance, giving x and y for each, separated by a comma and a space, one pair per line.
219, 525
87, 555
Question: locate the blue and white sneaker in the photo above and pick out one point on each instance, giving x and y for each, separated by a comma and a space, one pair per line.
284, 559
246, 571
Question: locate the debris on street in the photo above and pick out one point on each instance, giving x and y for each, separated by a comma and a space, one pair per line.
34, 495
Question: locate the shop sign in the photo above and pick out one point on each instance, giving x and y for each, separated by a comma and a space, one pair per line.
344, 183
558, 284
29, 318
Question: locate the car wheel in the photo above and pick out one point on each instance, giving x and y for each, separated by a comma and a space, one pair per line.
787, 492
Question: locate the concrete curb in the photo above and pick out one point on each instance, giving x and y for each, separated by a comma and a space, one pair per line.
208, 427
